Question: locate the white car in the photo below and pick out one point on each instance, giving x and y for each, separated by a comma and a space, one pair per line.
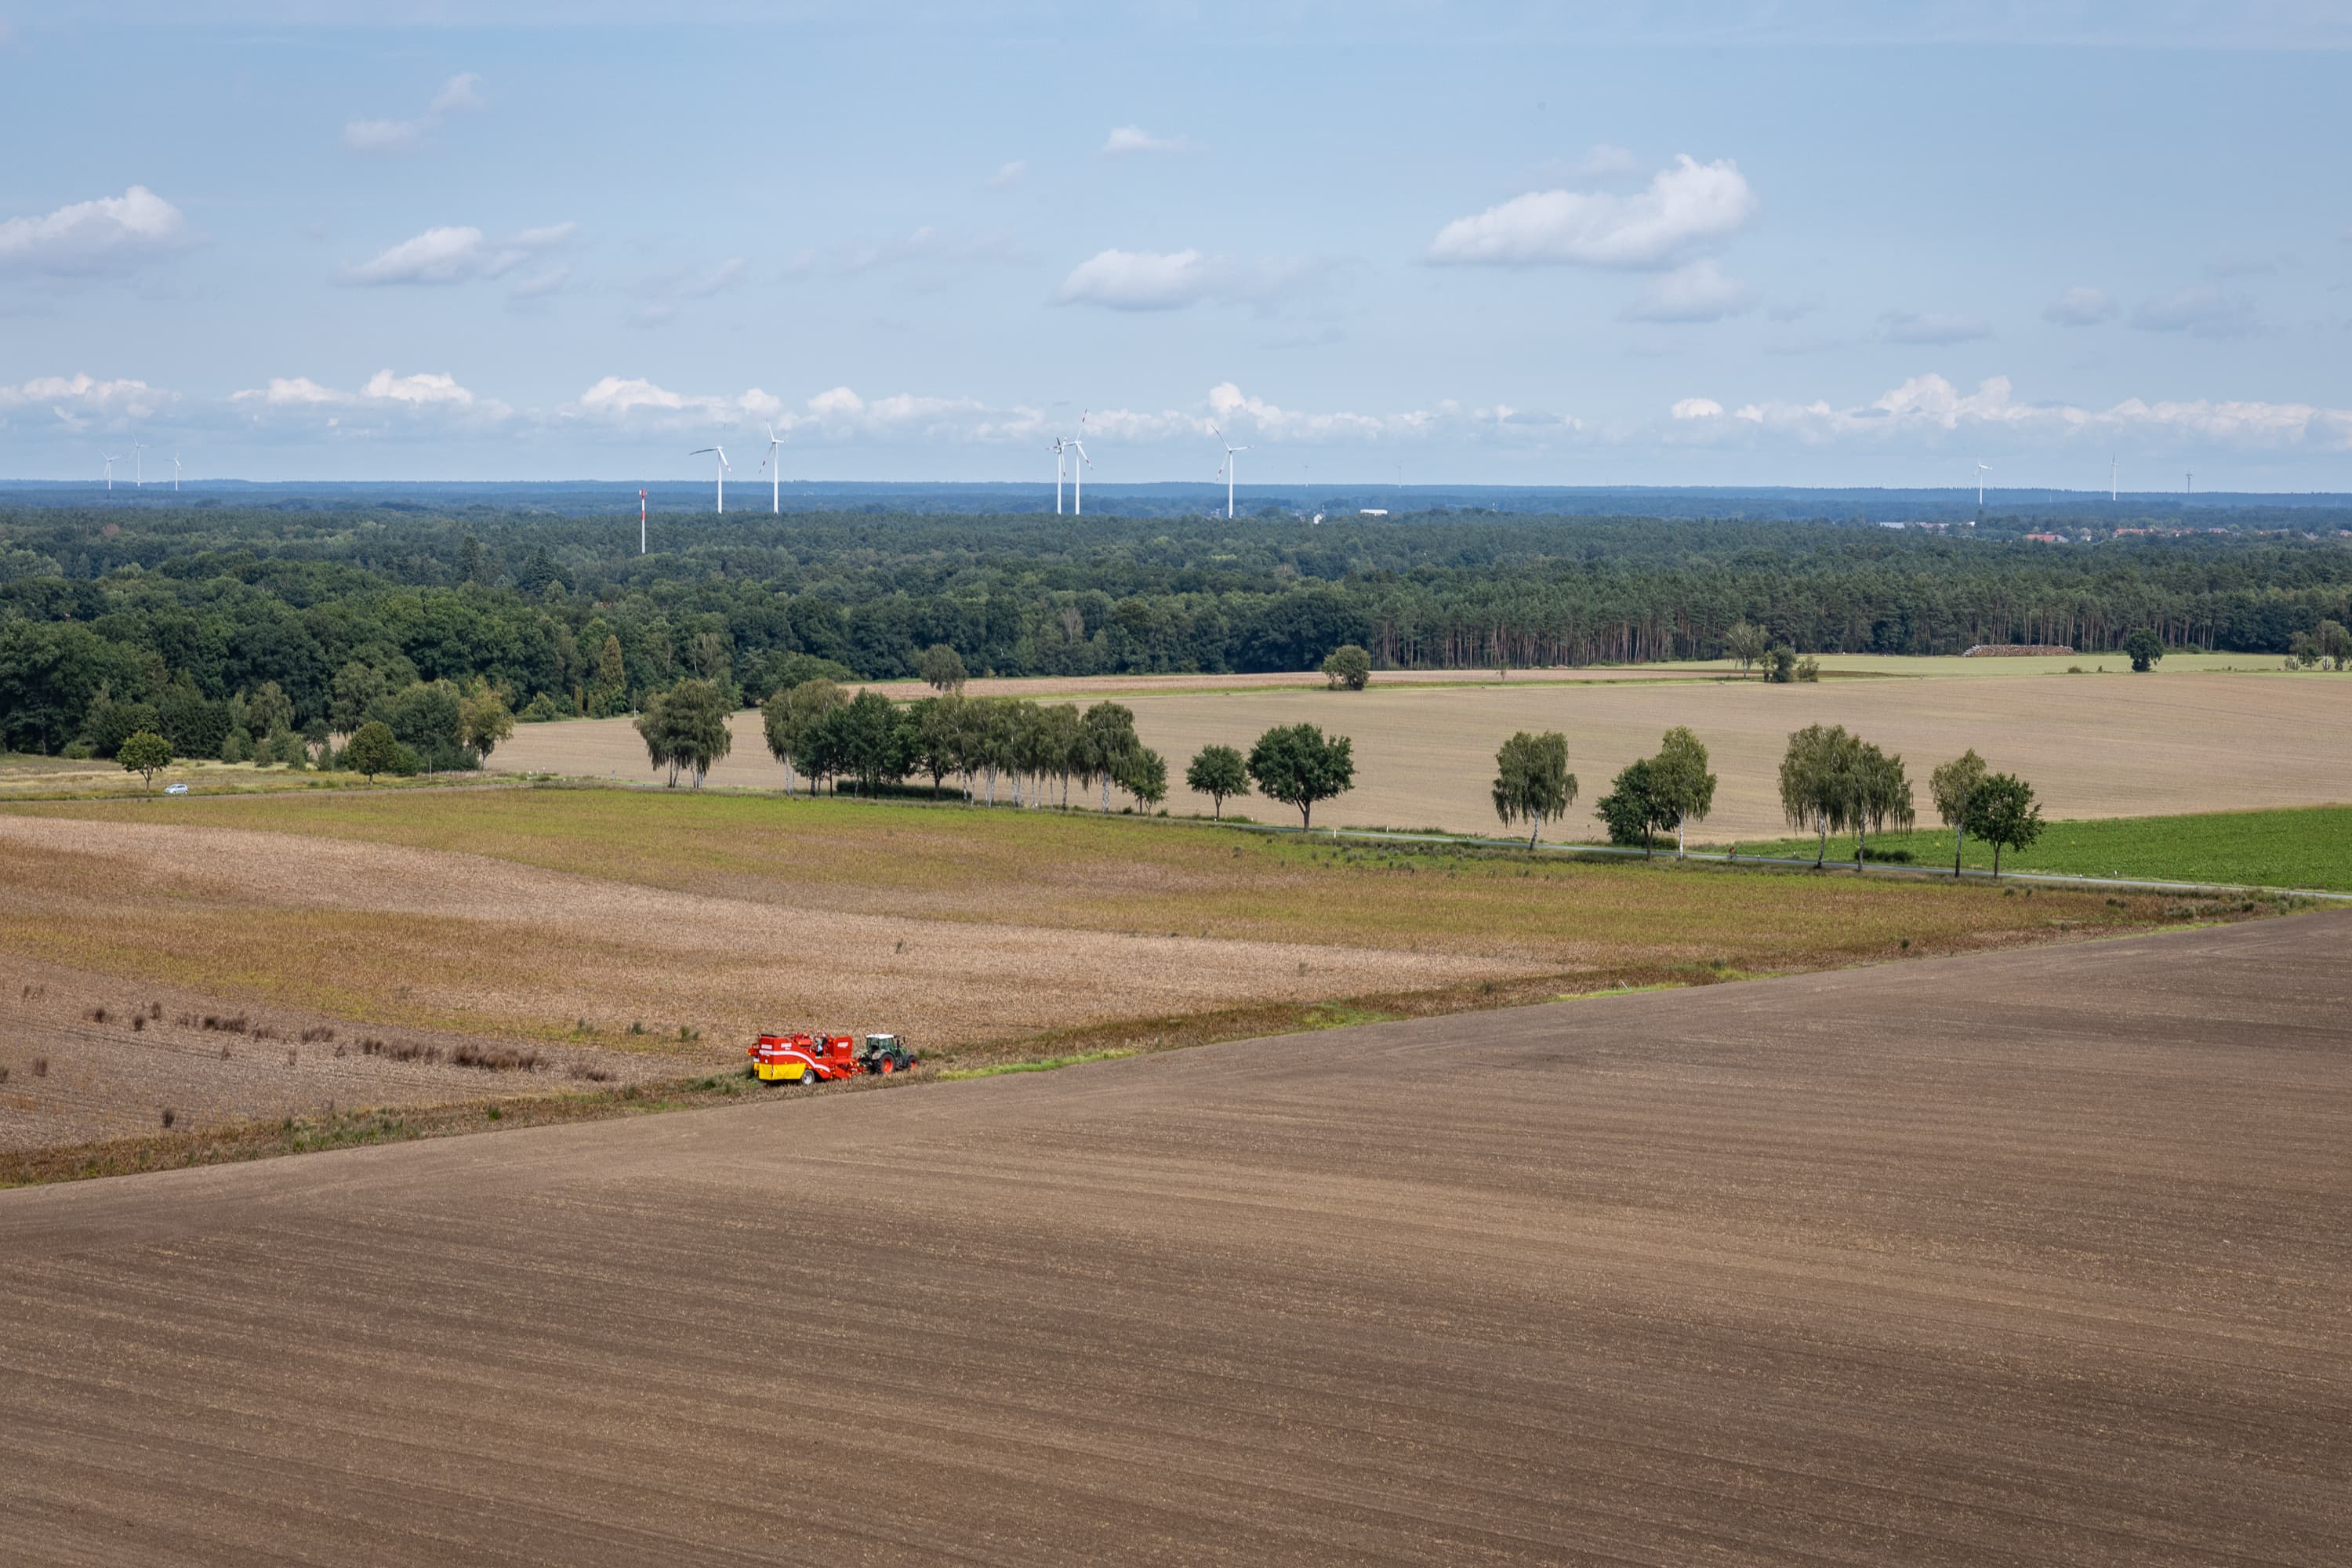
175, 789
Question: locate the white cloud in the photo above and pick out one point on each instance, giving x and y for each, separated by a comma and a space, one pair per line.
1232, 410
726, 276
384, 393
1698, 408
1128, 139
1008, 175
539, 285
441, 256
107, 235
1686, 208
1910, 327
84, 403
1170, 280
1698, 292
2080, 307
1930, 407
1606, 162
2204, 312
459, 95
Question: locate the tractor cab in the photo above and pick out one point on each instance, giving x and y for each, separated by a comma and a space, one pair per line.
885, 1053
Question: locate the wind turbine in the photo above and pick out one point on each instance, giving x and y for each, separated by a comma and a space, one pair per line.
1228, 470
1078, 469
138, 467
110, 461
1982, 469
775, 475
724, 469
1061, 449
175, 472
2112, 492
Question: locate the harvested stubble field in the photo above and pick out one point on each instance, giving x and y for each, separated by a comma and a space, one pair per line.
2024, 1257
2095, 746
518, 915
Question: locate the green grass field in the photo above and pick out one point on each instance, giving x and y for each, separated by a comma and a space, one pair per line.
2311, 847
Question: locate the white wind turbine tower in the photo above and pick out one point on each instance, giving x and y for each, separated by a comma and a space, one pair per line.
175, 471
1078, 470
1061, 449
1227, 471
2111, 480
138, 467
110, 461
775, 475
1982, 469
724, 469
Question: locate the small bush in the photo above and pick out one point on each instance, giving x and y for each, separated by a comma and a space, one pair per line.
40, 1067
594, 1075
96, 1015
485, 1060
138, 1021
494, 1113
169, 1116
318, 1035
4, 1072
156, 1011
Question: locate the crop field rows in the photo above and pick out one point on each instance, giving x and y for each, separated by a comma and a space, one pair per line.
652, 935
2029, 1257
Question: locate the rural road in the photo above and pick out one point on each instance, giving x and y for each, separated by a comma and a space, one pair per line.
2035, 1257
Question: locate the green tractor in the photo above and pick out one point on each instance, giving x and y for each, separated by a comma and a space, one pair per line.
885, 1053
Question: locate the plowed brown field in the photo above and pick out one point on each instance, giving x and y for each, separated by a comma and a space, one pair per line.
2027, 1258
2112, 745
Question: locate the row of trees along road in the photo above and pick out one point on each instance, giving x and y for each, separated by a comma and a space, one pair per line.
819, 732
1671, 790
1835, 781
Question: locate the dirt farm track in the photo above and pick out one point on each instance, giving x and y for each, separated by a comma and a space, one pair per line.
2031, 1257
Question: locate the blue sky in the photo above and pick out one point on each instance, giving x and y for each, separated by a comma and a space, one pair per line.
1696, 243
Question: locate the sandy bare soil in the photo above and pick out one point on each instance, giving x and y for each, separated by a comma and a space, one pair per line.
435, 944
2030, 1258
2114, 745
74, 1078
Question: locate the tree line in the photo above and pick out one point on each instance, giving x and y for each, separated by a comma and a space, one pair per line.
553, 613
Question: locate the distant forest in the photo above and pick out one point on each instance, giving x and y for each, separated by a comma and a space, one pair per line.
205, 603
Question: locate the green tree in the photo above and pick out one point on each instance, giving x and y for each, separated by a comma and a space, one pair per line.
1532, 784
1817, 782
483, 721
1951, 786
1217, 772
1809, 669
2334, 643
2145, 648
268, 710
2004, 814
686, 728
933, 727
1683, 786
1348, 666
608, 693
1143, 773
941, 668
1294, 764
1107, 742
145, 753
1781, 663
1633, 810
372, 750
1881, 795
868, 742
790, 718
358, 688
1745, 643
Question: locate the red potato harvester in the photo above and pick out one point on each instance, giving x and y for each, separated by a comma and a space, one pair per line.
826, 1059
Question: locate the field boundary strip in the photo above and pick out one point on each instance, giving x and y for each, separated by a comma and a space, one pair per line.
1721, 858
